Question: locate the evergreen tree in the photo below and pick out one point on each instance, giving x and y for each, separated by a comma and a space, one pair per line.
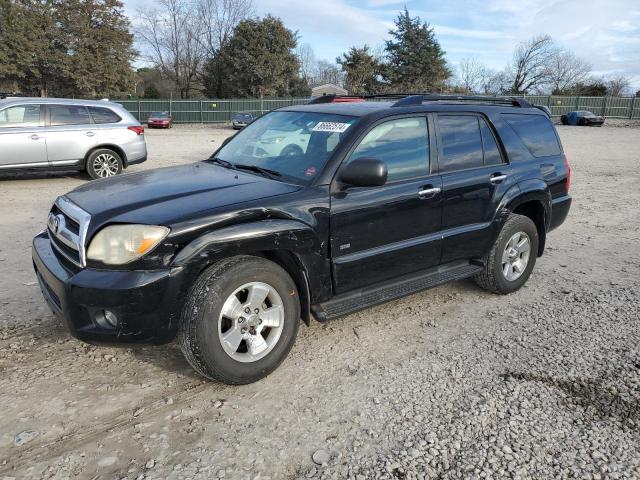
415, 59
260, 59
65, 47
151, 92
362, 70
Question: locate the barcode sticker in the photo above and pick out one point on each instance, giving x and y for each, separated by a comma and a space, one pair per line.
334, 127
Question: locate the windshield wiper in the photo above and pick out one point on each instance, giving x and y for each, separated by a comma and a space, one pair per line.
267, 172
221, 162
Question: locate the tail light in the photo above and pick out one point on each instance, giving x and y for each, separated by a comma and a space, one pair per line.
566, 162
139, 130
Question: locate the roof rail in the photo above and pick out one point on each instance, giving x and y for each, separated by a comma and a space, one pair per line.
333, 98
419, 99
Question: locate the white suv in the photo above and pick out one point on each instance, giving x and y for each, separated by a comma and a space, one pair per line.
99, 137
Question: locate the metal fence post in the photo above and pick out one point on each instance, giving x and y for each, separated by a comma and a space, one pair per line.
633, 104
139, 114
604, 106
201, 113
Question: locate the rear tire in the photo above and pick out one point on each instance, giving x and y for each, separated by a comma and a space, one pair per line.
505, 267
104, 163
564, 120
228, 332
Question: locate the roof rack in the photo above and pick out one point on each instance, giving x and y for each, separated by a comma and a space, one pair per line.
333, 98
420, 98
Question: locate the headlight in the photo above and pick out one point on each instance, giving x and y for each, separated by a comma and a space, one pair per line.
119, 244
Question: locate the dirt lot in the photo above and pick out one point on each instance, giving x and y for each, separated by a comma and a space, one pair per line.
449, 383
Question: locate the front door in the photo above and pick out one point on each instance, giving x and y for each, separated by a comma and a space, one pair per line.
22, 141
379, 233
475, 177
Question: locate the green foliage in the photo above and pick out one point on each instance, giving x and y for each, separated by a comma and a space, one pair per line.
66, 47
415, 59
362, 70
151, 92
259, 60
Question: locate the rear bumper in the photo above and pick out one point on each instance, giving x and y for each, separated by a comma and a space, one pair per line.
146, 303
559, 210
137, 160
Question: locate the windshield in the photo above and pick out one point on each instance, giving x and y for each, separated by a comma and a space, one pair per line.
159, 114
295, 145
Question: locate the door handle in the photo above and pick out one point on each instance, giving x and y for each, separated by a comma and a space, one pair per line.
429, 191
35, 136
89, 134
497, 178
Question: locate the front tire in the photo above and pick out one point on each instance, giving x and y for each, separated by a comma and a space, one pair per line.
240, 320
103, 163
509, 263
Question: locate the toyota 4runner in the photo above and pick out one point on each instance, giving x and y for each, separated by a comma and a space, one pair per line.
380, 199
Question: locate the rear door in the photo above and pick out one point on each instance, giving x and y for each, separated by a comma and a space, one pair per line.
70, 133
378, 233
22, 139
475, 176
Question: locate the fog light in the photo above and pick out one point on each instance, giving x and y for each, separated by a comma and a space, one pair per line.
106, 319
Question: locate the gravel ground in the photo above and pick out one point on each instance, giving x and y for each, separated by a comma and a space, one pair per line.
449, 383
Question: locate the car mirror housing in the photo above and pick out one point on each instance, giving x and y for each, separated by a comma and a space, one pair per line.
364, 172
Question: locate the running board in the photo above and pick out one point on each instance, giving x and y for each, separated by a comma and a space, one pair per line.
362, 298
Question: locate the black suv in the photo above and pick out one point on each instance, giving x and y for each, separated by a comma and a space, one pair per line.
378, 199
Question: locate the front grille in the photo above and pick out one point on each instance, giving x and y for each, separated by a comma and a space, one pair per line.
67, 227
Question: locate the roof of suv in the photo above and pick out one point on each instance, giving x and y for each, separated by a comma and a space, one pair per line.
66, 101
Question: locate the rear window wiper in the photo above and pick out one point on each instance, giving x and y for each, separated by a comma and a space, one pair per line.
267, 172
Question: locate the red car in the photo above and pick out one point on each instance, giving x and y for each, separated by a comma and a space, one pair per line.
160, 120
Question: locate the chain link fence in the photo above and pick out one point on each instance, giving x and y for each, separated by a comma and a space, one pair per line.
221, 111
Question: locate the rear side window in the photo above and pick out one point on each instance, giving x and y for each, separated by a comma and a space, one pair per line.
69, 115
401, 144
20, 116
536, 132
461, 142
491, 151
103, 115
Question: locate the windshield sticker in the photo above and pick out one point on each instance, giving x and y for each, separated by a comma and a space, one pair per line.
334, 127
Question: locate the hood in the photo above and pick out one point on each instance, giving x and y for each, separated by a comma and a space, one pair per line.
166, 195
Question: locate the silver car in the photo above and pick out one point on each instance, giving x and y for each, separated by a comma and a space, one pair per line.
95, 136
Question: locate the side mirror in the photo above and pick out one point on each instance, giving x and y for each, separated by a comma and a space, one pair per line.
364, 172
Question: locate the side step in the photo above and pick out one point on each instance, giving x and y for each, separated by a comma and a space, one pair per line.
383, 292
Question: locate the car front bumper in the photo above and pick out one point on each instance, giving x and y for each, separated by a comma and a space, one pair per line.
146, 303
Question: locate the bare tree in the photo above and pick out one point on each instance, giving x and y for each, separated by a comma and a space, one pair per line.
530, 65
307, 59
565, 70
327, 72
618, 85
218, 19
474, 76
171, 34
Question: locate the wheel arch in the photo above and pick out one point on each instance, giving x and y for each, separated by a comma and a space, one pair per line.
534, 202
290, 244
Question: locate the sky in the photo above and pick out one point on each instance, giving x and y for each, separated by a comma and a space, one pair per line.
604, 32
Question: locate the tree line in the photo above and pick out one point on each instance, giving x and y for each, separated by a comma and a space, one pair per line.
221, 49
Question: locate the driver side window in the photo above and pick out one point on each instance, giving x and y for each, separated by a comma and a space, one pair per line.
402, 144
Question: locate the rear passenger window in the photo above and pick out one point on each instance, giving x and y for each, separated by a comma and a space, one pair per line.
491, 151
461, 142
69, 115
536, 132
103, 115
401, 144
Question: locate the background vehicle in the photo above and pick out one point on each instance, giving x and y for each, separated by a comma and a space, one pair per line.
582, 118
242, 119
385, 199
160, 120
99, 137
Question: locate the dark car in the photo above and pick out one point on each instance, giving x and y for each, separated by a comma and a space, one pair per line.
242, 119
582, 118
160, 120
386, 198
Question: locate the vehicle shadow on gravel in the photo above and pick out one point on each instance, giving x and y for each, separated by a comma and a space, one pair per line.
166, 357
42, 175
595, 396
